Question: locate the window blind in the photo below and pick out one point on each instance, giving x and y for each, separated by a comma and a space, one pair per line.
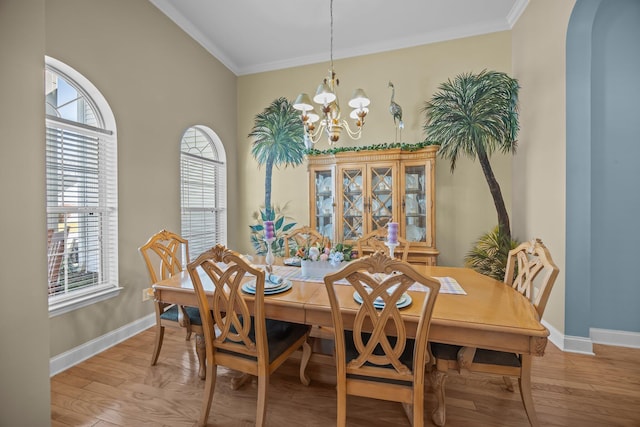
81, 180
203, 193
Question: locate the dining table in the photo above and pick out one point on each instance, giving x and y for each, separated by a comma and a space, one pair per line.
471, 310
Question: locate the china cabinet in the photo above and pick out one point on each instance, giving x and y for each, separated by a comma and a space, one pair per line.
354, 192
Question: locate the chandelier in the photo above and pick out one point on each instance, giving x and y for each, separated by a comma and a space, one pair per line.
331, 123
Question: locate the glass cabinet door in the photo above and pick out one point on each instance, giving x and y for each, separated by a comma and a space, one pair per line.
380, 202
323, 212
352, 203
415, 203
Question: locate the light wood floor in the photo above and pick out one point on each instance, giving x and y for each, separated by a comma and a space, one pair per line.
119, 388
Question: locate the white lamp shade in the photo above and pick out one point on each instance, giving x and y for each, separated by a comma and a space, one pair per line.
303, 103
354, 113
312, 116
324, 95
359, 99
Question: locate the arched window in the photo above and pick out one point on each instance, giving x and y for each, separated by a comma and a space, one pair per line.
82, 199
203, 179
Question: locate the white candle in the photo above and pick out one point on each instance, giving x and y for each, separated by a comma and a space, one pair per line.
269, 231
392, 233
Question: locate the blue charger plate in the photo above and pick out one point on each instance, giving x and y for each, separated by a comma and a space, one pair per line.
404, 301
250, 287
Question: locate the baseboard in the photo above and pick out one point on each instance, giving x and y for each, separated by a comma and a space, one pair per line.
89, 349
580, 345
555, 336
616, 338
584, 345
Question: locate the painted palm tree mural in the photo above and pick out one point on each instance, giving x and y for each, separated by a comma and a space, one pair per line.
277, 141
475, 115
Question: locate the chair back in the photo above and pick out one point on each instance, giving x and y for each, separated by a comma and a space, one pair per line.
374, 241
164, 254
303, 236
379, 335
531, 271
230, 310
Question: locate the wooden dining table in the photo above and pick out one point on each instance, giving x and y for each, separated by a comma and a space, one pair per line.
489, 314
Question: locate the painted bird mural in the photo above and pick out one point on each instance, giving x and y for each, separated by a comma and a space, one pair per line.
396, 112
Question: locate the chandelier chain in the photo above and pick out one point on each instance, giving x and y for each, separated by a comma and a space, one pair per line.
331, 46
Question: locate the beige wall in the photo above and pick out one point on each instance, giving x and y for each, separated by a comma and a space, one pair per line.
539, 167
158, 82
24, 353
463, 202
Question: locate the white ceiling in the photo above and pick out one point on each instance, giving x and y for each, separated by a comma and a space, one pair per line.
250, 36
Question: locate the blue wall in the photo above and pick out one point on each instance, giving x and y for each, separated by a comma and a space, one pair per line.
603, 167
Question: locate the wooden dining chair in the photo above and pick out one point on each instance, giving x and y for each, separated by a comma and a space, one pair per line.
369, 362
530, 271
245, 341
163, 255
303, 236
375, 241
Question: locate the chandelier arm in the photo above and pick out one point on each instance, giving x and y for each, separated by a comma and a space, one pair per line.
352, 134
316, 134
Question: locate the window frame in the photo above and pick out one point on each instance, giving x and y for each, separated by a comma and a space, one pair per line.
104, 133
218, 167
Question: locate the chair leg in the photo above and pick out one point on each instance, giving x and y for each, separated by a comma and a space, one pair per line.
439, 414
261, 408
508, 383
207, 395
525, 390
342, 404
183, 320
418, 406
306, 355
158, 344
201, 352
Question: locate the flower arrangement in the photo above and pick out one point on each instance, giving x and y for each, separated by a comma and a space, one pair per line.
334, 255
318, 261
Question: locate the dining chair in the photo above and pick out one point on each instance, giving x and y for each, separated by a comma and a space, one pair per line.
303, 236
374, 241
531, 271
246, 341
369, 362
163, 255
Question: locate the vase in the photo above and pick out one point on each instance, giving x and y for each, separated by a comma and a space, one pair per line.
319, 269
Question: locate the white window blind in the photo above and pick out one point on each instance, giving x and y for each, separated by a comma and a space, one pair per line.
81, 209
203, 191
82, 200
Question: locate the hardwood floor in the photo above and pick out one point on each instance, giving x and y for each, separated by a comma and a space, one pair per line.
119, 388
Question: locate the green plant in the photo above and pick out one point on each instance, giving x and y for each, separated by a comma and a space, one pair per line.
278, 140
489, 253
280, 228
475, 115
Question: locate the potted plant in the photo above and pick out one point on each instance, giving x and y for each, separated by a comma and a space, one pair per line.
476, 115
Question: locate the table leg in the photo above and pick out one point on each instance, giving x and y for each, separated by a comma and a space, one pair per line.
525, 390
437, 382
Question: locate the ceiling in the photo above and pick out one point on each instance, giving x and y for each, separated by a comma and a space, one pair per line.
250, 36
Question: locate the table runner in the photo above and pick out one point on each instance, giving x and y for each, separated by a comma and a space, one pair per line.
448, 285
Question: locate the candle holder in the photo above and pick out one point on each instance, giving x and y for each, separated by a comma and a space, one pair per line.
269, 259
392, 247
